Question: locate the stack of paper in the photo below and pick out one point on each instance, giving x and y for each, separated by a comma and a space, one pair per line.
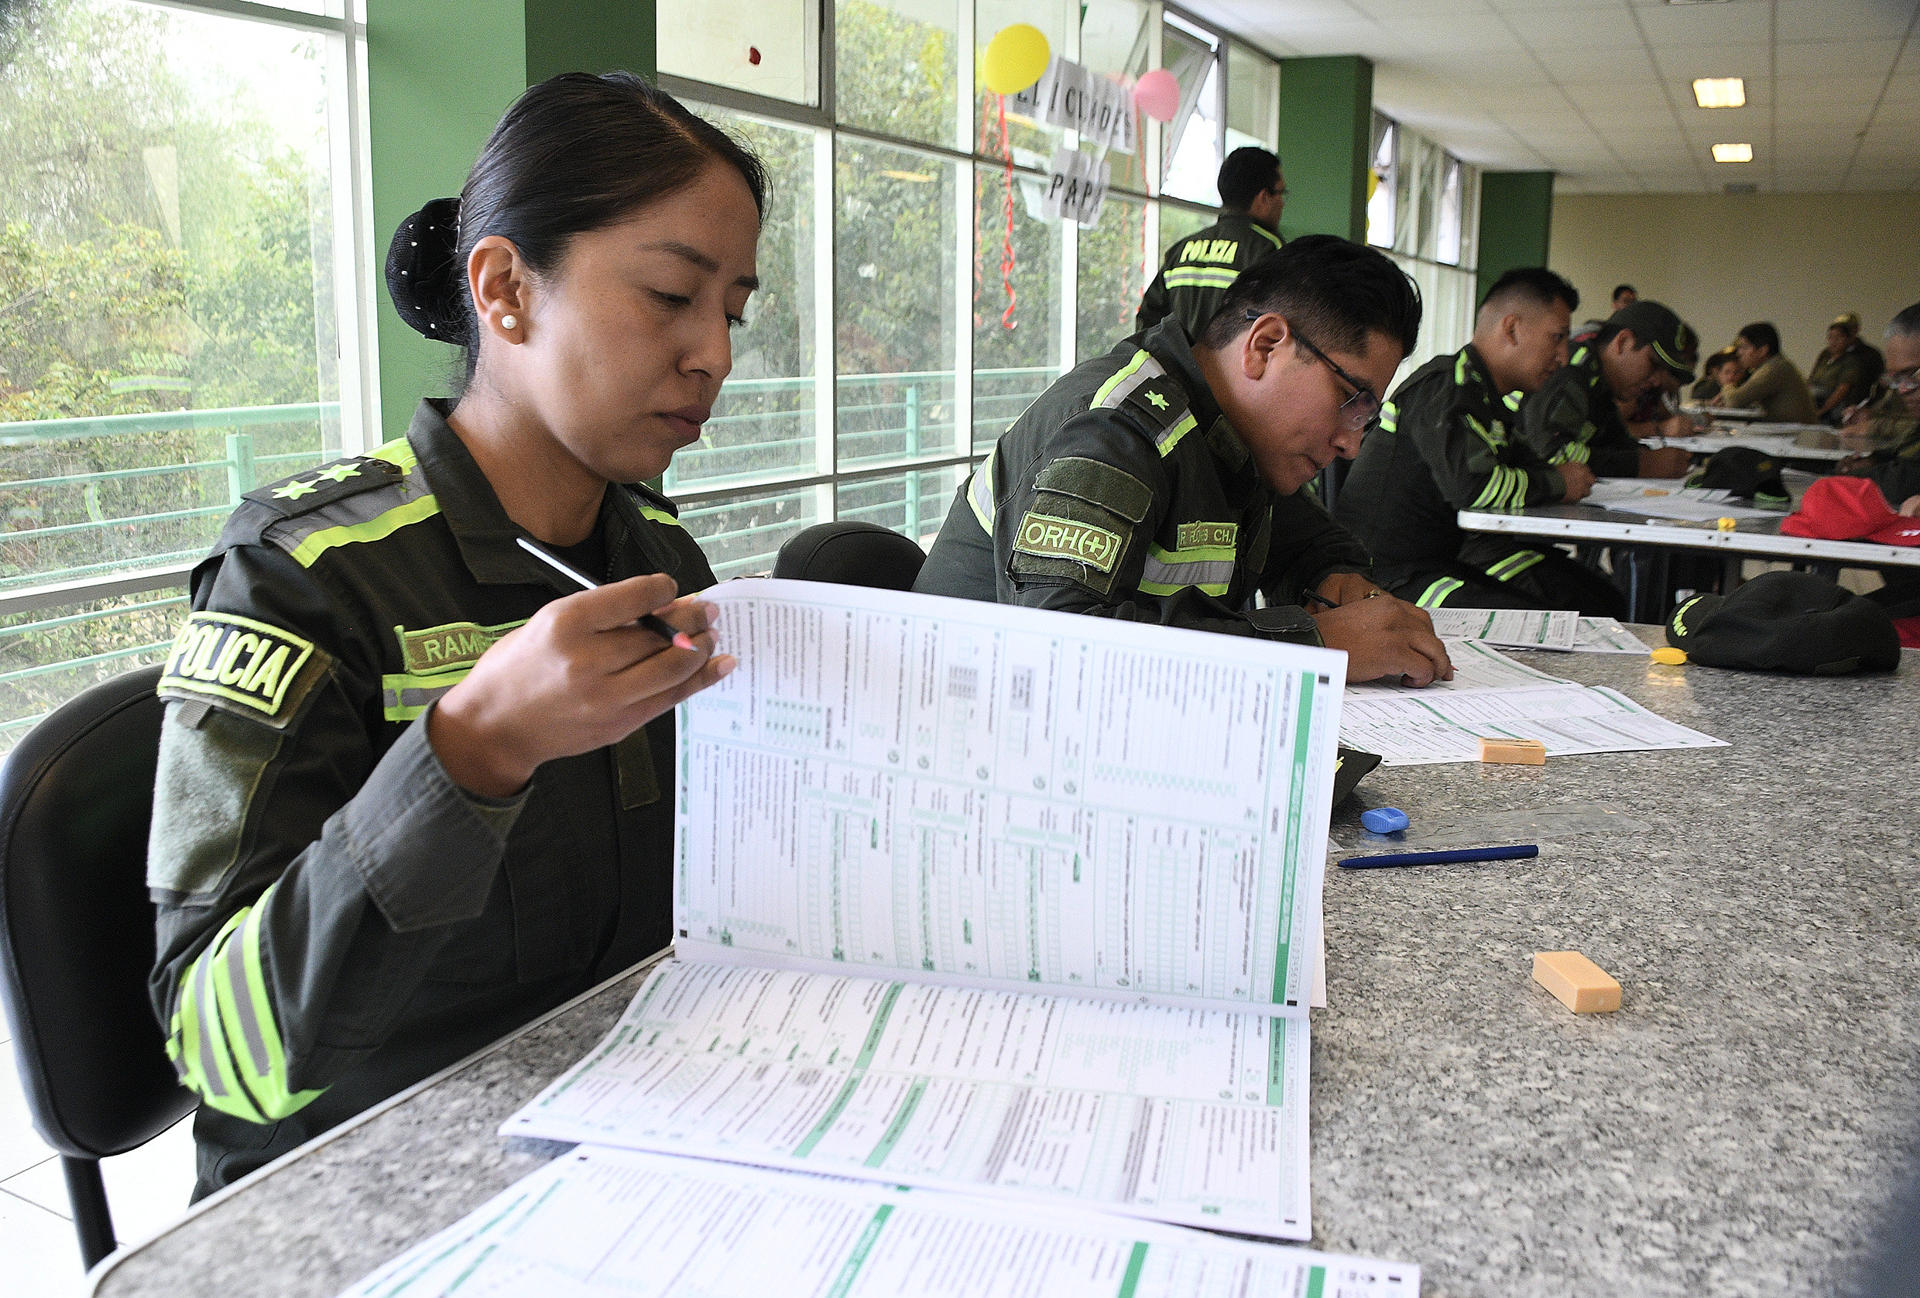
605, 1221
1518, 628
973, 898
1493, 697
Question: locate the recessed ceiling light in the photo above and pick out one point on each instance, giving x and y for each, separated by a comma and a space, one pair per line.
1733, 153
1719, 92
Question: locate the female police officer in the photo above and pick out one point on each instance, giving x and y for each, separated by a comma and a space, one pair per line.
412, 783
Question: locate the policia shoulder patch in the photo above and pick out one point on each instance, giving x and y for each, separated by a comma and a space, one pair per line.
242, 666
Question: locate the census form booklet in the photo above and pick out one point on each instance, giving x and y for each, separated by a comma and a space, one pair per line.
987, 898
615, 1222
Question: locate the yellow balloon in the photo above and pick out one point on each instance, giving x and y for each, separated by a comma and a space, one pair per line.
1016, 58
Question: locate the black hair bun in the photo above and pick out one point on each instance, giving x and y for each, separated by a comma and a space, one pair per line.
421, 276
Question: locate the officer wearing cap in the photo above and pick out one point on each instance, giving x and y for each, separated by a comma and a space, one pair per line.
1845, 371
1162, 482
1446, 443
1199, 269
1575, 416
1774, 385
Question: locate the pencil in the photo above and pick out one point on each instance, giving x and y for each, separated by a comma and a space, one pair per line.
658, 625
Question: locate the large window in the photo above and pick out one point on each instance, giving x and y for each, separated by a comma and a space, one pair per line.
918, 294
1423, 211
175, 228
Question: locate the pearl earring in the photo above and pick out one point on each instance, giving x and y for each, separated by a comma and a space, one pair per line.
509, 322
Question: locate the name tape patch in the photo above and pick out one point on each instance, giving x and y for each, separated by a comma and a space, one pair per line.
1062, 538
450, 647
1194, 536
232, 660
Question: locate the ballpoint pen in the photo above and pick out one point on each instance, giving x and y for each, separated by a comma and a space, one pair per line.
1515, 853
658, 625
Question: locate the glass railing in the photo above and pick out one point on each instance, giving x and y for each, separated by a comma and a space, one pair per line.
81, 499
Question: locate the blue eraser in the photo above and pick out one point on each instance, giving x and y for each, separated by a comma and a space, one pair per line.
1385, 820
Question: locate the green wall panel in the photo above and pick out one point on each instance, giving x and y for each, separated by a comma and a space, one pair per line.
1326, 125
1516, 222
439, 75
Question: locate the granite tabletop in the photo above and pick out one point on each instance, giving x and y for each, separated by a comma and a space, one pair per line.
1735, 1128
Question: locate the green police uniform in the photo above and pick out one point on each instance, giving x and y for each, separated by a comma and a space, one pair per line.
337, 918
1443, 445
1573, 417
1857, 366
1199, 270
1124, 492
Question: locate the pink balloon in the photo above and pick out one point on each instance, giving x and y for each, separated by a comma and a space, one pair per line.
1157, 94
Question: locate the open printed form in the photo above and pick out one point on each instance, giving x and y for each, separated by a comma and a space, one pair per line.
975, 896
1000, 797
615, 1222
1188, 1115
1692, 504
1517, 628
1604, 635
1502, 699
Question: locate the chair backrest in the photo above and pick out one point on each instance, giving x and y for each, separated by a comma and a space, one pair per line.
852, 554
76, 927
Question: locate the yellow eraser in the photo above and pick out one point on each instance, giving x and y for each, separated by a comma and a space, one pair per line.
1667, 654
1725, 525
1516, 752
1576, 982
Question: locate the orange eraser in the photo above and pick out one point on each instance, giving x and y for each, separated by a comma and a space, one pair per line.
1516, 752
1576, 982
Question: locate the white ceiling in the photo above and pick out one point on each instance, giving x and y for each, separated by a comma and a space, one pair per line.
1599, 91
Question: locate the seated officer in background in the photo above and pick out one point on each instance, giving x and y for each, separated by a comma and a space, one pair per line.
1445, 444
1161, 482
1199, 269
1774, 385
1575, 418
1893, 460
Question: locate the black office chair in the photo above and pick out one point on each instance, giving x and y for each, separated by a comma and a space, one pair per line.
76, 937
853, 554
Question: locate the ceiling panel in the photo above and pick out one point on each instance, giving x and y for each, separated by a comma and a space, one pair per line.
1874, 181
1598, 90
1861, 59
1675, 27
1754, 62
1820, 20
1596, 27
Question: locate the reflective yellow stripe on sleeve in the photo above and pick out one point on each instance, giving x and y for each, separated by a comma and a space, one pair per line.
1206, 568
225, 1043
1514, 564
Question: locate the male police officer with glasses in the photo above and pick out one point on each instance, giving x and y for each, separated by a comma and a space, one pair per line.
1162, 482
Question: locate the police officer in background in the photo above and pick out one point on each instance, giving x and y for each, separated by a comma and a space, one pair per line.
1162, 482
1199, 269
1575, 417
1448, 441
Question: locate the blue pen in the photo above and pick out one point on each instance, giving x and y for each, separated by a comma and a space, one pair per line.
1516, 853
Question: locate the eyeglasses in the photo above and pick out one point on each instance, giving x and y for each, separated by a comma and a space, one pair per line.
1904, 381
1362, 409
1278, 191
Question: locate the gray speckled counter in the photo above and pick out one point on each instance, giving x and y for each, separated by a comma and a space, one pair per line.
1734, 1129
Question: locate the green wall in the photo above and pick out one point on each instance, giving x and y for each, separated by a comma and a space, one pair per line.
1516, 222
1326, 135
438, 77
